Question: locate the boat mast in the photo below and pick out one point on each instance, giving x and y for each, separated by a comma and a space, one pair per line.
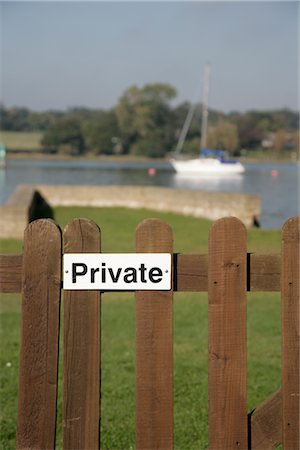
205, 107
185, 129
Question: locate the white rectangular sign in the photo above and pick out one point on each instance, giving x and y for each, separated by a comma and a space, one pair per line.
118, 272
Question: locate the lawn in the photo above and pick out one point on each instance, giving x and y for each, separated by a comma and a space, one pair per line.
15, 140
190, 337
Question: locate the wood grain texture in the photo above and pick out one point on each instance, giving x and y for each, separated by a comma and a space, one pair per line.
263, 272
10, 273
39, 336
154, 349
227, 335
190, 273
266, 423
290, 333
81, 373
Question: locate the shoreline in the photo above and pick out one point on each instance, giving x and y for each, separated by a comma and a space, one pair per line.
59, 157
35, 155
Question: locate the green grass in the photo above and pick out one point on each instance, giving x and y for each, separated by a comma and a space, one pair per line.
118, 225
15, 140
9, 246
190, 338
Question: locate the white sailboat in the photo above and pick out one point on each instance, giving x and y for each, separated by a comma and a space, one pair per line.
210, 162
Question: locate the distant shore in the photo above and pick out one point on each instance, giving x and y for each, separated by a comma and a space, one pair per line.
36, 155
87, 157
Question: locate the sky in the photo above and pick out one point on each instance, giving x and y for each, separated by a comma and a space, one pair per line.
59, 55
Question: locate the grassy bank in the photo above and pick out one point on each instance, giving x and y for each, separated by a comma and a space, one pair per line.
190, 337
118, 225
21, 141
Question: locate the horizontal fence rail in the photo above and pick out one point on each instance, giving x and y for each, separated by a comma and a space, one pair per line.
227, 273
190, 273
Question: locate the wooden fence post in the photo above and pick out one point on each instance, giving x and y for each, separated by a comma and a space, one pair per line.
81, 374
290, 333
154, 349
41, 287
227, 381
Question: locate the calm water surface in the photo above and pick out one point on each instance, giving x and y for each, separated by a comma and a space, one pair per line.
277, 184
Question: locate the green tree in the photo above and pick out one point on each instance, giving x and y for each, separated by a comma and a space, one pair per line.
249, 134
296, 143
192, 140
65, 136
102, 134
15, 119
280, 139
145, 119
224, 136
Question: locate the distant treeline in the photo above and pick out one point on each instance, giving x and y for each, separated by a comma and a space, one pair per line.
144, 122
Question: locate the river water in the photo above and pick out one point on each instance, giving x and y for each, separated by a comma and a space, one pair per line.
276, 184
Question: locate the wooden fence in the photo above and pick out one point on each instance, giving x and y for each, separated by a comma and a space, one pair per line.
227, 273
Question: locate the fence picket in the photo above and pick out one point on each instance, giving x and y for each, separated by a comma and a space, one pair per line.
81, 374
39, 336
227, 335
154, 349
227, 273
290, 333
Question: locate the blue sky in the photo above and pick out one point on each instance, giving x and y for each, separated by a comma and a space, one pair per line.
63, 54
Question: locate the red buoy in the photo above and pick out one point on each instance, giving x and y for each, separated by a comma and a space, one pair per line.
151, 171
274, 173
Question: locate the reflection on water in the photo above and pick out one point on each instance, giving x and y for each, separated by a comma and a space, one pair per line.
277, 184
214, 183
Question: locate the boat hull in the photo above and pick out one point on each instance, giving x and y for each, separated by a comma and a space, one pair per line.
207, 166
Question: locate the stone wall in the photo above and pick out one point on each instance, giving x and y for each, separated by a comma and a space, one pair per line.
24, 205
210, 205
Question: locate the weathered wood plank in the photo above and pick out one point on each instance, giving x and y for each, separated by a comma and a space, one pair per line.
154, 349
190, 273
10, 273
39, 336
263, 272
290, 333
227, 336
81, 373
266, 423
